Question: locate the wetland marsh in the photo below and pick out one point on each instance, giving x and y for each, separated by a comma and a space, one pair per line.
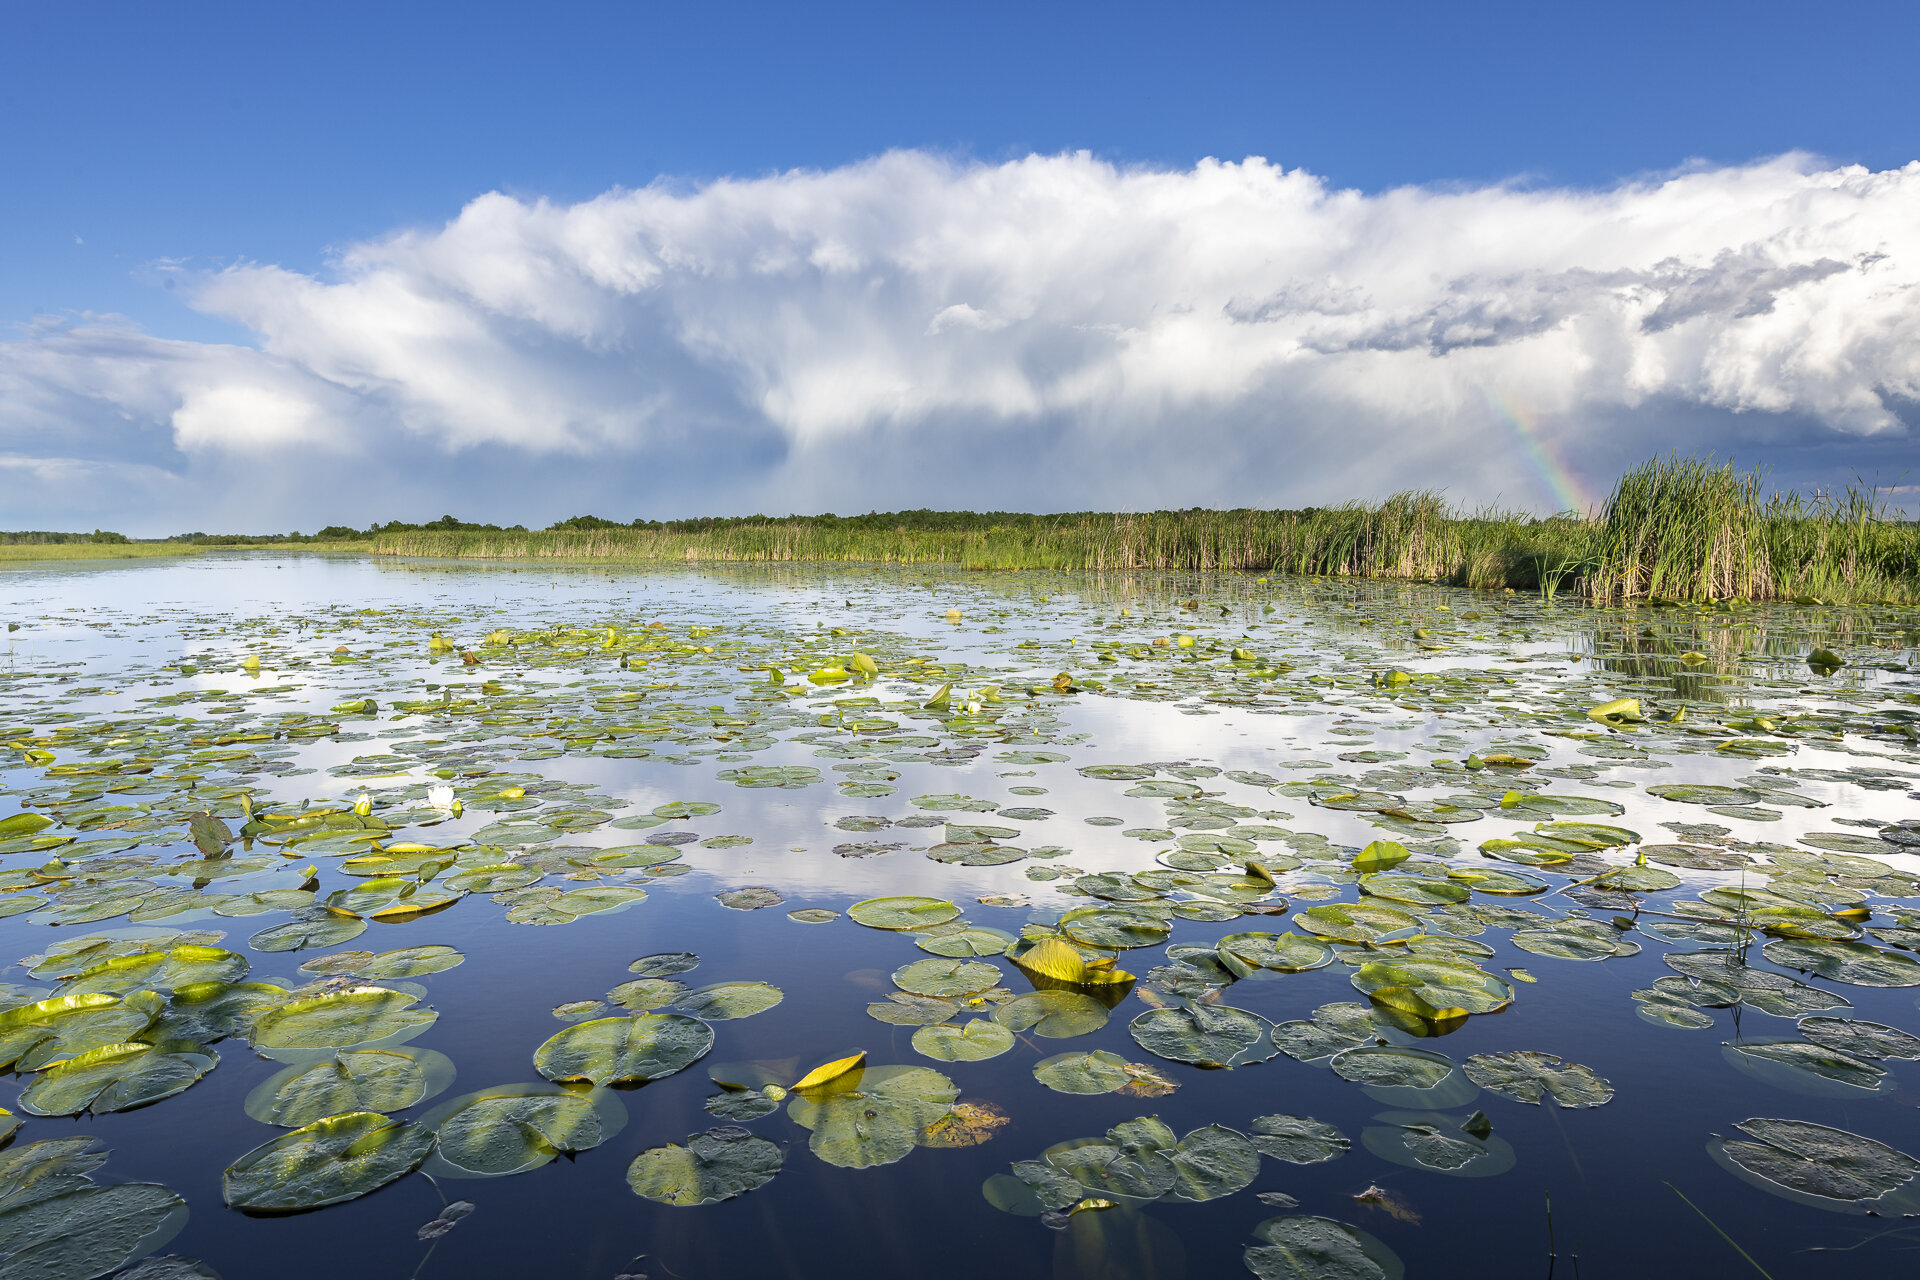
407, 917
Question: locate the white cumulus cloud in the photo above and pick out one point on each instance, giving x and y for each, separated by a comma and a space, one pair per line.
1050, 332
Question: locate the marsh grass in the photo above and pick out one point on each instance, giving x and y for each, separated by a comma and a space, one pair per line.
11, 553
1674, 528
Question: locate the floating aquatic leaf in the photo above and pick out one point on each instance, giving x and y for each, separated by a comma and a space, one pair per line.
1303, 1248
1442, 983
1440, 1143
340, 1020
1575, 939
1861, 1039
42, 1032
903, 912
750, 899
158, 971
1391, 1066
1355, 922
325, 1162
714, 1166
968, 1042
381, 1080
971, 940
1812, 1059
610, 1051
1205, 1035
787, 777
1115, 927
1298, 1139
1243, 953
664, 965
1529, 1076
1057, 1015
1854, 963
1332, 1027
78, 1230
312, 927
1818, 1161
813, 915
117, 1077
724, 1001
1094, 1072
946, 978
510, 1130
874, 1117
1212, 1162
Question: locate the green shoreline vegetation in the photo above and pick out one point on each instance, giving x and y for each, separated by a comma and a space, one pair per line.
1675, 528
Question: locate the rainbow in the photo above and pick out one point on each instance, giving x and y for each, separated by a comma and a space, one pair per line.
1557, 481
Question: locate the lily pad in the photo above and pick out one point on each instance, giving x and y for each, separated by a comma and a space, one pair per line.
1243, 953
1529, 1076
1094, 1072
902, 912
1861, 1039
1303, 1248
347, 1019
714, 1166
381, 1080
1205, 1034
967, 1042
117, 1077
1855, 963
1332, 1027
1815, 1160
326, 1162
725, 1001
946, 978
608, 1051
1298, 1139
872, 1116
510, 1130
1057, 1015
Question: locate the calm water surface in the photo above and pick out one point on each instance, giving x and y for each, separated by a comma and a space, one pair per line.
133, 683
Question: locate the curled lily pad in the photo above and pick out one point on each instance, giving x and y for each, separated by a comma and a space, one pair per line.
1298, 1139
42, 1032
117, 1077
873, 1115
725, 1001
902, 912
325, 1162
346, 1019
716, 1165
1205, 1034
515, 1128
968, 1042
1528, 1076
1815, 1160
1057, 1015
609, 1051
1302, 1248
381, 1080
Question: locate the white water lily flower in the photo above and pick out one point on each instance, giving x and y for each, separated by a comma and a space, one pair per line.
440, 797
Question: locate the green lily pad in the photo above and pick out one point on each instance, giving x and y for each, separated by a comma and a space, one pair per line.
1855, 963
972, 940
1114, 927
1861, 1039
786, 777
77, 1230
1089, 1073
1243, 953
411, 962
1441, 983
643, 995
1212, 1162
1814, 1160
1575, 938
361, 1080
1439, 1143
117, 1077
312, 927
513, 1129
159, 971
1528, 1076
1298, 1139
873, 1115
750, 899
349, 1019
609, 1051
43, 1032
1303, 1248
966, 1042
1057, 1015
1205, 1035
813, 915
1809, 1059
1392, 1067
902, 912
1331, 1028
946, 978
1355, 921
664, 965
714, 1166
725, 1001
326, 1162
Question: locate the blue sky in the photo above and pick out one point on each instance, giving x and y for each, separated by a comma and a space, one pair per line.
150, 150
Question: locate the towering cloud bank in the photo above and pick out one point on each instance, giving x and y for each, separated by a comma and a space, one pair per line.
1054, 331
